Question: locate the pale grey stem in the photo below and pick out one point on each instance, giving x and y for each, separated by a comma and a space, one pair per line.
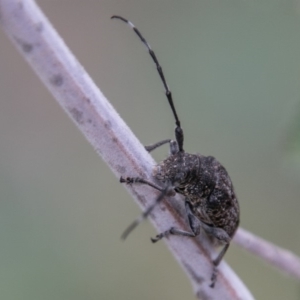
71, 86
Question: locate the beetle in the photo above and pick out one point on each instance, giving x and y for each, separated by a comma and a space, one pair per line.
210, 200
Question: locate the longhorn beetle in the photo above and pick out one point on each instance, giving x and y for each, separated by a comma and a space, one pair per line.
210, 200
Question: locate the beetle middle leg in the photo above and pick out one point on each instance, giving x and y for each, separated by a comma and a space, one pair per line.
196, 225
193, 222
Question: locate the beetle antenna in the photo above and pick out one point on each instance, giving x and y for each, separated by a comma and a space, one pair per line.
178, 129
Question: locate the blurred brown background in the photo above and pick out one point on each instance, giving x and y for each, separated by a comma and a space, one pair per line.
234, 70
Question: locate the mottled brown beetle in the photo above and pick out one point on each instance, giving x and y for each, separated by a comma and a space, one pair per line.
210, 199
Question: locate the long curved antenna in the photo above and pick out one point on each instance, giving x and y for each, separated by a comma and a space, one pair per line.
178, 130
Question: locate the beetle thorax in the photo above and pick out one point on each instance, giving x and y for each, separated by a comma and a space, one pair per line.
184, 172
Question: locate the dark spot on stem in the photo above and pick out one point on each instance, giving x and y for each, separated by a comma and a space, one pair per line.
121, 169
57, 80
77, 115
107, 124
26, 47
39, 27
163, 208
202, 295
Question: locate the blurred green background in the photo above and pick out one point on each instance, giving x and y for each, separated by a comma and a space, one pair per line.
234, 70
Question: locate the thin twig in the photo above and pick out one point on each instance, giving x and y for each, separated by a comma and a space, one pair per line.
282, 259
40, 45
